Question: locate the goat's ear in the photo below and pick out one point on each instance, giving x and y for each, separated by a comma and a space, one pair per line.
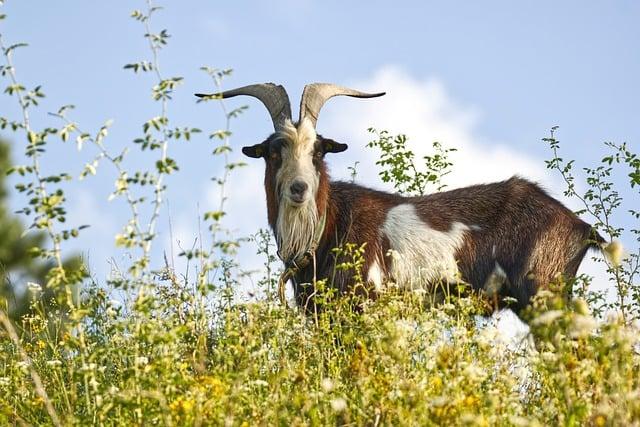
255, 151
331, 146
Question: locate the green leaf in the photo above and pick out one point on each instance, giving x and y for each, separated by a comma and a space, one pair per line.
214, 215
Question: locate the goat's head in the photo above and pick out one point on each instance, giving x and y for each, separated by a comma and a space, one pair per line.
296, 181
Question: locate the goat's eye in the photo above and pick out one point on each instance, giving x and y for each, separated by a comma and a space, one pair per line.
317, 155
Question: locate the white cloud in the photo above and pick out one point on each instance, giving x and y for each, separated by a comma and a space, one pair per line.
424, 111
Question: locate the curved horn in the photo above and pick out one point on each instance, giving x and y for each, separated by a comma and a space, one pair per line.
316, 94
274, 97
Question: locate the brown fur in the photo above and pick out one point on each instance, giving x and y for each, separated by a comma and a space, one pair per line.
514, 223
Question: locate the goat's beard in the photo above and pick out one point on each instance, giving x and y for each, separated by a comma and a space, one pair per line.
296, 228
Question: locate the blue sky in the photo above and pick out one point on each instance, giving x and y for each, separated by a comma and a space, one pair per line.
490, 78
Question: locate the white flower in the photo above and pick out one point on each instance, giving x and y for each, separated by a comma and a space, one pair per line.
34, 287
474, 372
142, 360
4, 381
582, 326
54, 363
338, 404
327, 385
88, 367
547, 318
439, 401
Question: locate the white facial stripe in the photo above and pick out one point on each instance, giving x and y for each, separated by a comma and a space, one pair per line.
420, 255
296, 224
297, 157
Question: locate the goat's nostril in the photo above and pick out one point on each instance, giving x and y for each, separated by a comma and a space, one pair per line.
298, 188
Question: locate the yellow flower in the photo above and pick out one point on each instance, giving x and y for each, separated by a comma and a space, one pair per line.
470, 401
436, 383
182, 405
213, 384
187, 405
600, 420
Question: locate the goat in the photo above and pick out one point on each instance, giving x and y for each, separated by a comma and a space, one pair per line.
512, 229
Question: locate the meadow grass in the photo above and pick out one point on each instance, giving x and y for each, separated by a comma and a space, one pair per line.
177, 361
149, 347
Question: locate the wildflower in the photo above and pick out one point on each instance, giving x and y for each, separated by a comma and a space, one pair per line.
327, 385
475, 372
547, 318
34, 288
439, 401
548, 357
187, 405
87, 367
261, 383
54, 363
582, 326
600, 420
23, 366
436, 383
488, 336
338, 404
142, 361
470, 401
215, 385
4, 381
181, 404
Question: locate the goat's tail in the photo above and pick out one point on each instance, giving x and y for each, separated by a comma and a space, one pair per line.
613, 251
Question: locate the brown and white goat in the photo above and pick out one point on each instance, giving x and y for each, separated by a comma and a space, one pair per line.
511, 228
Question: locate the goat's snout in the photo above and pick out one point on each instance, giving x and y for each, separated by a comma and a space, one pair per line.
297, 191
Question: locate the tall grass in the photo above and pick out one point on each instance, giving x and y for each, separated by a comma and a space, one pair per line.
150, 347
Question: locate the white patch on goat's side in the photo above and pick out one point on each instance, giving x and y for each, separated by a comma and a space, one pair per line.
296, 224
375, 276
475, 227
420, 255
